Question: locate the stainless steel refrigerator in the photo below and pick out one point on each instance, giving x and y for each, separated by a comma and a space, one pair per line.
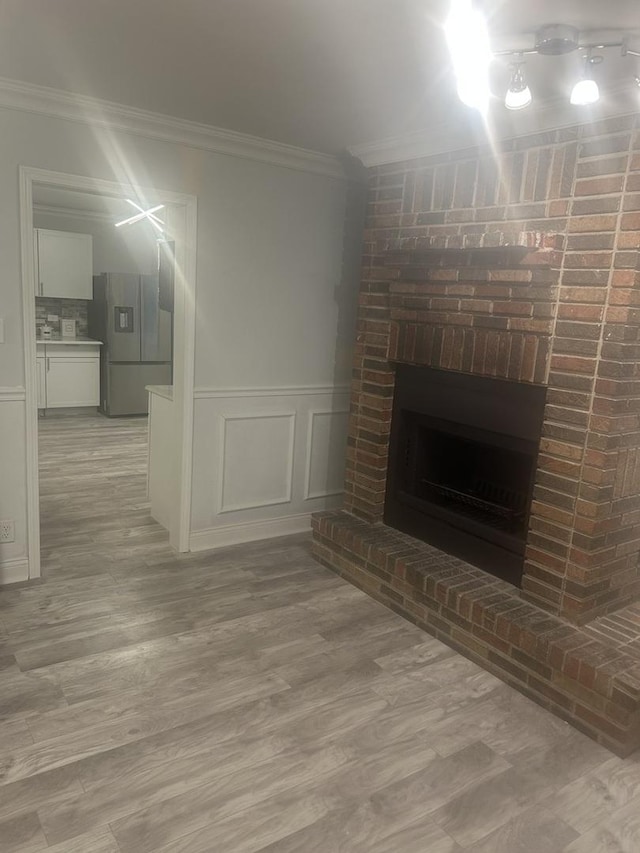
126, 316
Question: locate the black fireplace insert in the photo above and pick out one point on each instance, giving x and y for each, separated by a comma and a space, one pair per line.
462, 463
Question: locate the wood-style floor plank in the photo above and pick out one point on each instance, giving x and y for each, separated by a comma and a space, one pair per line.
250, 701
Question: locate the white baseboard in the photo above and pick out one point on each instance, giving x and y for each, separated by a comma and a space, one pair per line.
249, 531
14, 571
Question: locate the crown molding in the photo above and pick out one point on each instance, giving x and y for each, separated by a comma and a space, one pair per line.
28, 97
550, 115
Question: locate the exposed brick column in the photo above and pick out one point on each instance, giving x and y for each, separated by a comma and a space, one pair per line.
373, 378
584, 541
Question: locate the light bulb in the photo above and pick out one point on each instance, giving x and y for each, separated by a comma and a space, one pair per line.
585, 92
468, 40
474, 91
518, 94
518, 100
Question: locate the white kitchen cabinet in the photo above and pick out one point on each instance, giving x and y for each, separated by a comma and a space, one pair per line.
64, 264
68, 375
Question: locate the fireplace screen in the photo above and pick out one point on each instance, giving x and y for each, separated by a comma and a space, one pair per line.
464, 482
482, 480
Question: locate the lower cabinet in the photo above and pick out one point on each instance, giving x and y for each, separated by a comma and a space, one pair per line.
73, 382
68, 375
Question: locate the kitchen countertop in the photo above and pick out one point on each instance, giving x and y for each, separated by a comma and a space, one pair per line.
76, 340
165, 391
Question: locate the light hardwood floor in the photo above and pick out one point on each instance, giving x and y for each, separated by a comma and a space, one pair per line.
249, 700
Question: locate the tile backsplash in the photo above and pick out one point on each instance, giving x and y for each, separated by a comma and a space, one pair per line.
64, 309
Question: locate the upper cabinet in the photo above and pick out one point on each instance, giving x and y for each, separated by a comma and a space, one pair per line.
64, 264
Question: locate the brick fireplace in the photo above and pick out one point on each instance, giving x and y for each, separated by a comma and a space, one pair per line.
518, 269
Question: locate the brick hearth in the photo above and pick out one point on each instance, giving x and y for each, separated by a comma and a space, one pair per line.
589, 676
523, 266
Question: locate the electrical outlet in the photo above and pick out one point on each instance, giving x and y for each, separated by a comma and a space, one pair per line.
7, 531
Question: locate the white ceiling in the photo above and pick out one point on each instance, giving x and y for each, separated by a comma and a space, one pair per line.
320, 74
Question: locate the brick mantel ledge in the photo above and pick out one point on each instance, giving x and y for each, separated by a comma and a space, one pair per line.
486, 239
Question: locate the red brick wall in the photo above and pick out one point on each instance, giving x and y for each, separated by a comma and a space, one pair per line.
571, 322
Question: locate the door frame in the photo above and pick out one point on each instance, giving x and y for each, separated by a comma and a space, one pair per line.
182, 212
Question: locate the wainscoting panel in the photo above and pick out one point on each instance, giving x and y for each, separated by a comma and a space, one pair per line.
256, 460
264, 460
326, 452
14, 566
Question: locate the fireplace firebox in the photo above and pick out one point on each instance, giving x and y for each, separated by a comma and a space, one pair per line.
462, 464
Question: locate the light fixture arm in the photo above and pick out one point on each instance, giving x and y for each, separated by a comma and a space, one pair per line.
626, 51
532, 51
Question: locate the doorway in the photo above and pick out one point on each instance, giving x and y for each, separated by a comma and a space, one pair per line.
73, 356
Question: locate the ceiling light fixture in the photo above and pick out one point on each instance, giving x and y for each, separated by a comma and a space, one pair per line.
143, 214
518, 94
468, 42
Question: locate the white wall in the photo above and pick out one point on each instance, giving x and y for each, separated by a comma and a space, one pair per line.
272, 289
131, 250
276, 247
